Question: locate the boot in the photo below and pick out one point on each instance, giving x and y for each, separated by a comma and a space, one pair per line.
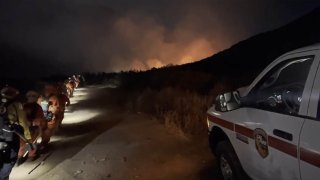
35, 157
21, 160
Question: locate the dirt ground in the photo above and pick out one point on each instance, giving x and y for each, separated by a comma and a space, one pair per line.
101, 142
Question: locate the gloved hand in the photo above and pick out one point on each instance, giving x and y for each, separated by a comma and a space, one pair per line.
30, 146
48, 115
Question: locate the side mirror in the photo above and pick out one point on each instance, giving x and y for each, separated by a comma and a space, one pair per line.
227, 101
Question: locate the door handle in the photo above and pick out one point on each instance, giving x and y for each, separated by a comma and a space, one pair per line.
282, 134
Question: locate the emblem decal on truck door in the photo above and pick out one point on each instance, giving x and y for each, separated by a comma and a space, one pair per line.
261, 141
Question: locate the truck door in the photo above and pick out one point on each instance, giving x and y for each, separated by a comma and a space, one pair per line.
309, 140
276, 110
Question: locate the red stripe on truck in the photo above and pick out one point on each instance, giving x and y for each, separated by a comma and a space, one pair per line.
310, 156
283, 146
221, 122
244, 131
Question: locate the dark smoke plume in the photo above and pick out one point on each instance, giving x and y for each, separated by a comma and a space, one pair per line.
61, 36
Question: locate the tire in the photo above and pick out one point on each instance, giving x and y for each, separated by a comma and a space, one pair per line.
228, 162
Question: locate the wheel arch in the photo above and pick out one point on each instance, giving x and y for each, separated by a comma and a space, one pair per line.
217, 135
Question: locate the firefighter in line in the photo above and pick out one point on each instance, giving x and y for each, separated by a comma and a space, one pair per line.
76, 79
35, 117
64, 101
61, 88
51, 108
14, 118
71, 85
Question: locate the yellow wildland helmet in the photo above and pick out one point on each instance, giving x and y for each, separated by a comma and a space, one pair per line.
32, 96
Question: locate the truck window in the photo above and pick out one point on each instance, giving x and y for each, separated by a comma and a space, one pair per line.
280, 90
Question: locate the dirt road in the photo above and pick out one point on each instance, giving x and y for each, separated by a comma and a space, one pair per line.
97, 142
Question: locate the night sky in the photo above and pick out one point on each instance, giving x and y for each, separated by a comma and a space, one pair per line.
112, 35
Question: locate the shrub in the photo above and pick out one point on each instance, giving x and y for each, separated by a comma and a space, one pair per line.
177, 109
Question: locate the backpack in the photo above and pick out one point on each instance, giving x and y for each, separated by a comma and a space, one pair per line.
8, 139
6, 134
31, 111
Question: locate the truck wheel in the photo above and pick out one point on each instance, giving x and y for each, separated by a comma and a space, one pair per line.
228, 162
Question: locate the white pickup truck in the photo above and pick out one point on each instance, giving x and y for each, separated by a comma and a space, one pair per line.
271, 129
